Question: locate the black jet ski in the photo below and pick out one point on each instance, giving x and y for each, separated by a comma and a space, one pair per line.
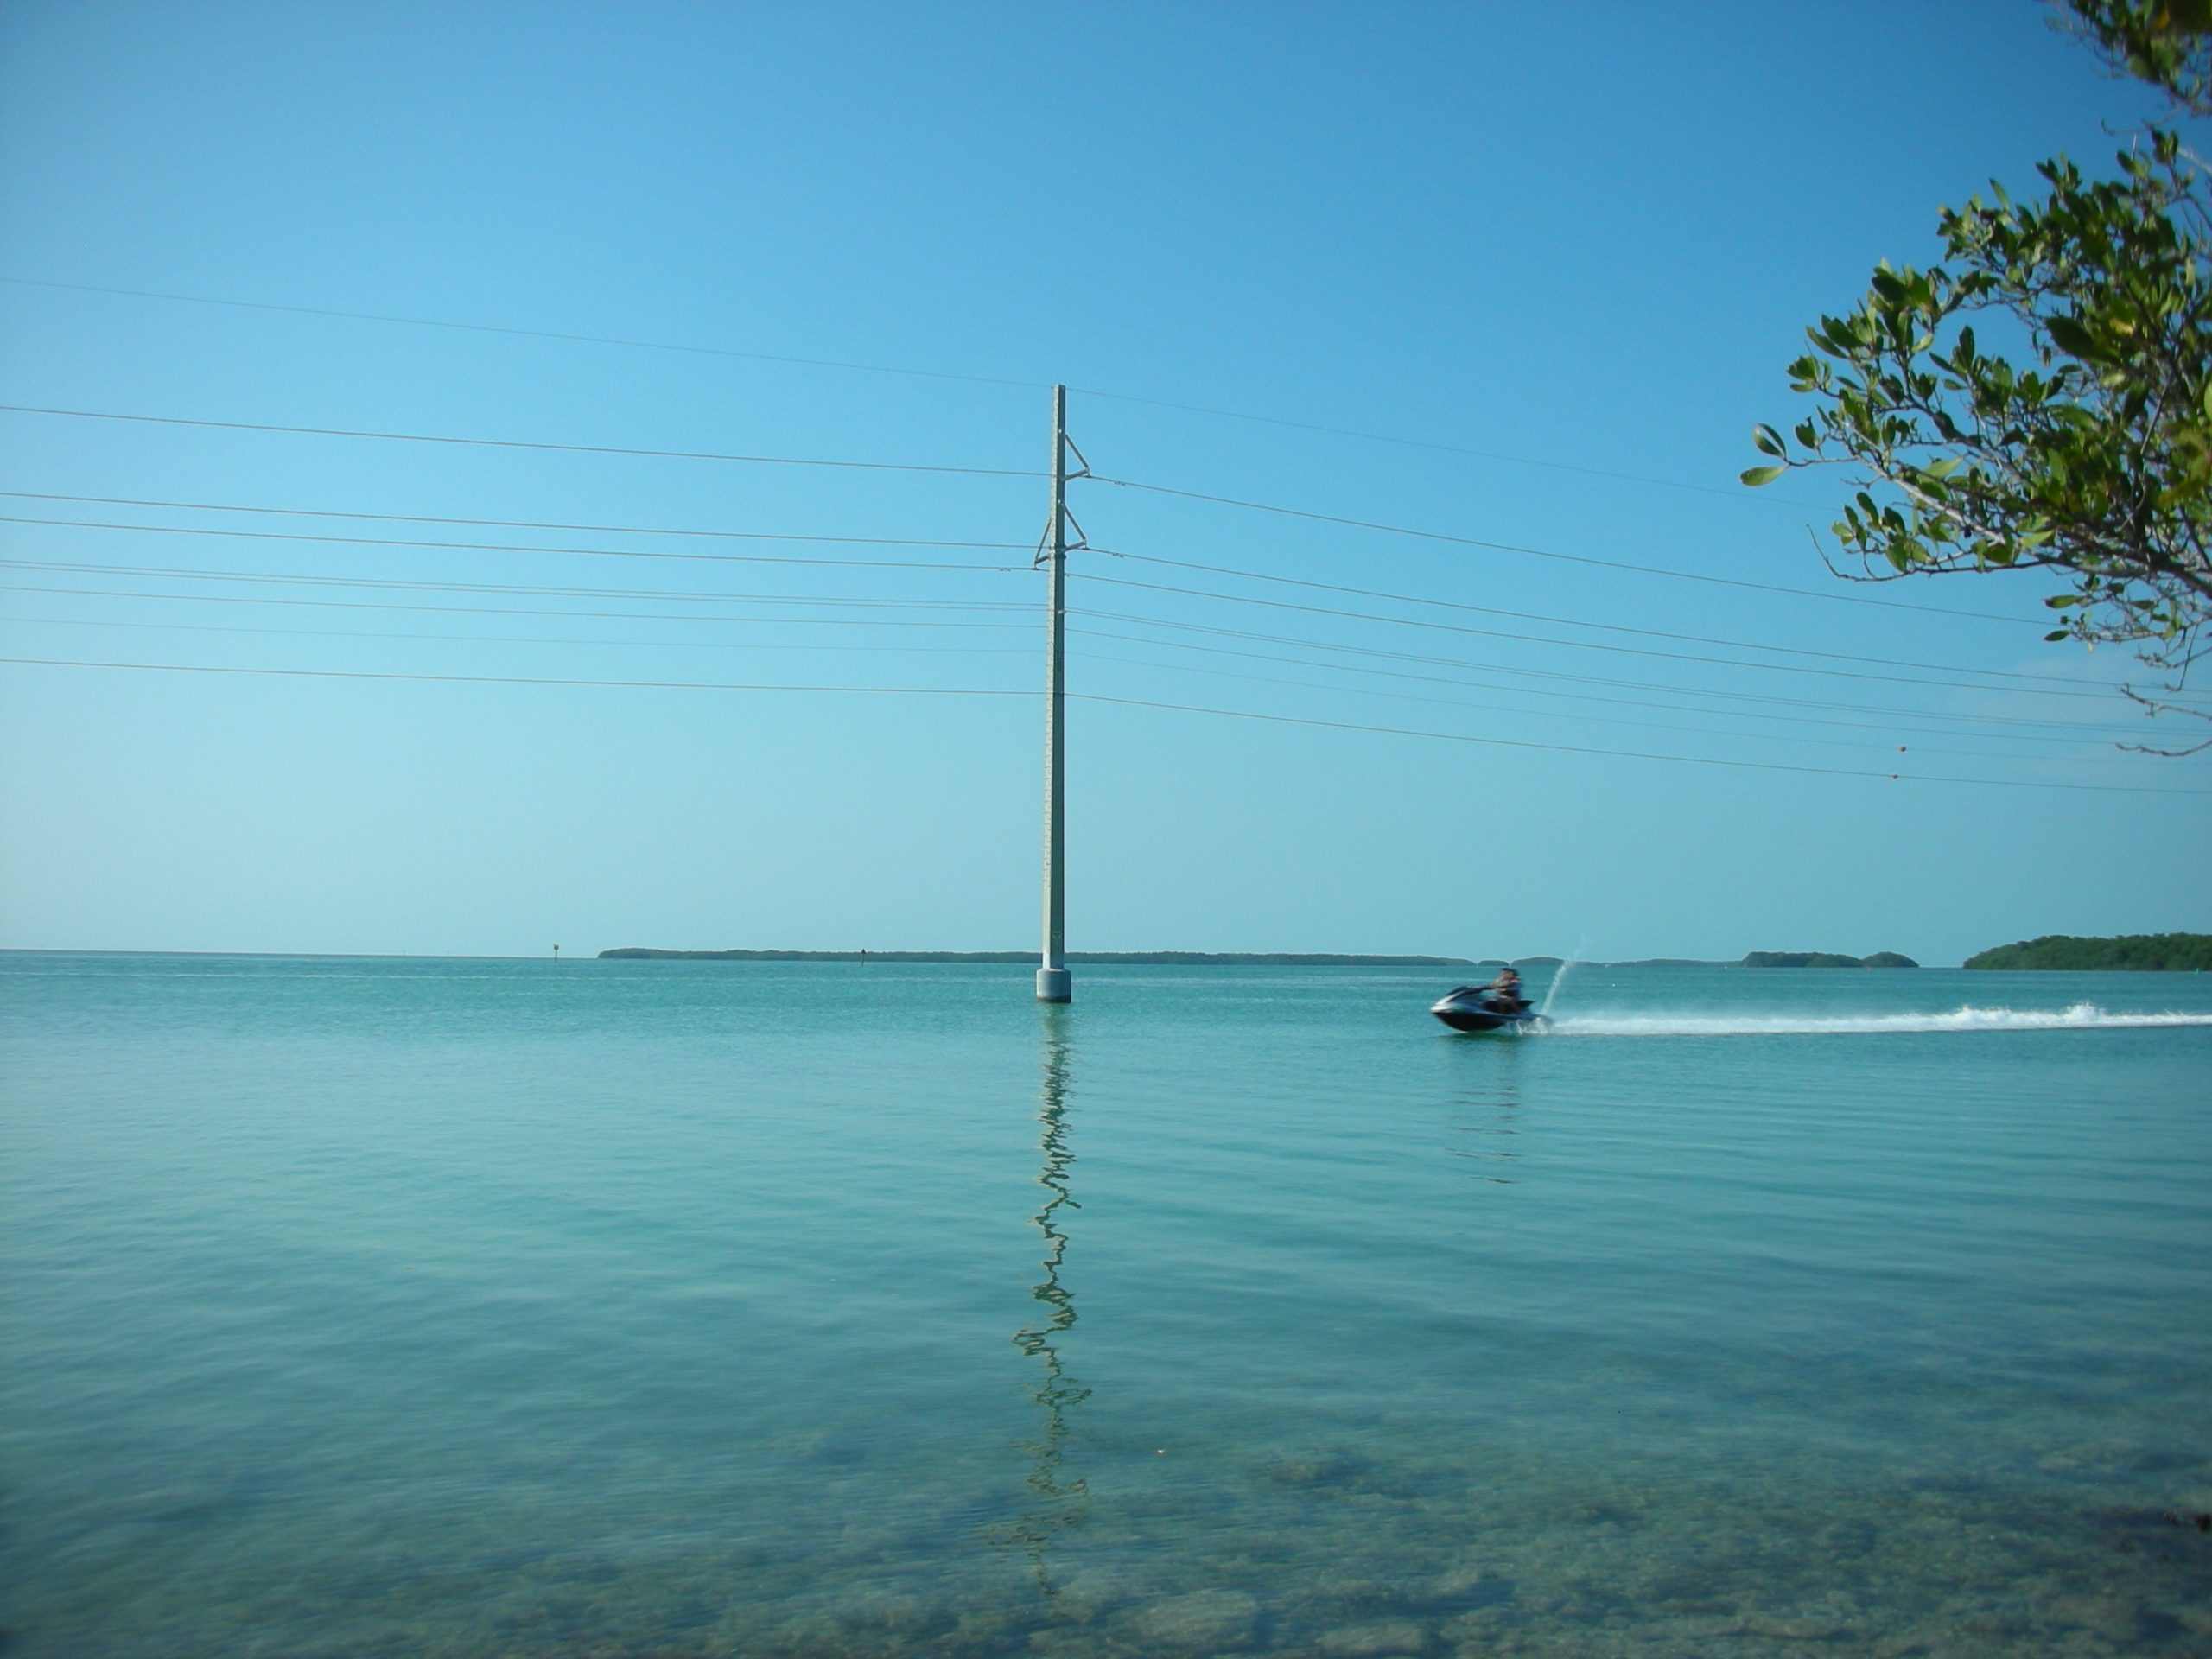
1478, 1008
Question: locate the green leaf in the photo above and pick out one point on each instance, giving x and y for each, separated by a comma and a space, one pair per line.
2073, 339
1768, 441
2055, 634
1755, 476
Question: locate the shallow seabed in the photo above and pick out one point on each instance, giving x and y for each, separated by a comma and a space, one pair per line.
469, 1308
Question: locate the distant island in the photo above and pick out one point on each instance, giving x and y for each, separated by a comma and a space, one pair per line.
1077, 958
1756, 959
1825, 959
2146, 952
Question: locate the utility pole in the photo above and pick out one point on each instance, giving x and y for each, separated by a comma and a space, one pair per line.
1054, 984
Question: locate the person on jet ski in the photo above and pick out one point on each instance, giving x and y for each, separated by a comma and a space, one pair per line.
1505, 991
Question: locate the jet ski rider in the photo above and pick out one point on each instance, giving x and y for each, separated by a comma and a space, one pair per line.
1505, 991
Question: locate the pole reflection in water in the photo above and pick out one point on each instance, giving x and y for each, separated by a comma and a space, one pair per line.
1058, 1500
1482, 1129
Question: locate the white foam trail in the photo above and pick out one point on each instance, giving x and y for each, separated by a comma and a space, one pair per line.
2082, 1016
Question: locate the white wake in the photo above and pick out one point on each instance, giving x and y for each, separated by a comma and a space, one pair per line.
2082, 1016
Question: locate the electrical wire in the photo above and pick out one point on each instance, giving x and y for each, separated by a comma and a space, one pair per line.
1737, 494
913, 564
509, 610
1629, 754
1919, 719
1539, 616
423, 585
879, 368
1092, 575
526, 334
515, 524
709, 645
518, 443
507, 638
1859, 744
660, 595
511, 547
1890, 725
991, 471
520, 679
985, 472
1086, 696
1559, 675
713, 644
1546, 553
1593, 645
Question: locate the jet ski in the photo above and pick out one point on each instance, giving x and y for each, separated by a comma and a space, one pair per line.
1478, 1008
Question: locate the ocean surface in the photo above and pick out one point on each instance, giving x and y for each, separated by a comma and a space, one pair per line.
517, 1308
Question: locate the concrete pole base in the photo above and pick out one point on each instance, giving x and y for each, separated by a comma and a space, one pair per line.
1055, 985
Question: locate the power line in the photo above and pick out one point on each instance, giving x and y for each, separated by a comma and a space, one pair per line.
509, 638
1087, 697
1546, 553
1539, 616
514, 547
1004, 651
1561, 675
843, 602
517, 679
524, 333
661, 597
1629, 754
508, 610
412, 584
1747, 497
520, 444
704, 644
1736, 494
1020, 650
916, 564
1861, 744
934, 649
1890, 725
996, 472
1241, 599
881, 540
417, 543
517, 524
1593, 645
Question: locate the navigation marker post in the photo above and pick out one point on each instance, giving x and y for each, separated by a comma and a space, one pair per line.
1054, 984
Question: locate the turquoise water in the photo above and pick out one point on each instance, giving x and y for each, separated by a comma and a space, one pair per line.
518, 1308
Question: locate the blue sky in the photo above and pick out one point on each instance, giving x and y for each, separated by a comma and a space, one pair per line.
1566, 253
